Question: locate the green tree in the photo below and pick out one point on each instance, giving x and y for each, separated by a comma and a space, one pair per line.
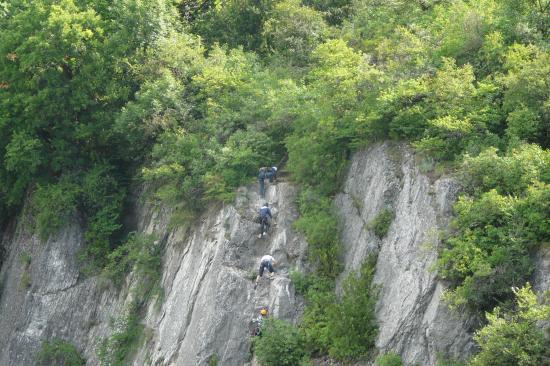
293, 31
515, 337
234, 23
352, 325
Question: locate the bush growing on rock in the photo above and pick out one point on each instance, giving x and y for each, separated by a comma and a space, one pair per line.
381, 223
389, 359
59, 352
279, 345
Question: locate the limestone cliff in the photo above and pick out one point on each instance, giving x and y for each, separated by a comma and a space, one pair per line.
207, 270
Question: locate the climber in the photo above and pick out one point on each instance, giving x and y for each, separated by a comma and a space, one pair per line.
258, 322
265, 215
271, 173
261, 178
268, 262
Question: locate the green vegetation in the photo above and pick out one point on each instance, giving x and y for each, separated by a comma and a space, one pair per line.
389, 359
116, 349
345, 327
26, 280
512, 337
25, 259
443, 361
499, 224
351, 323
59, 352
142, 255
188, 98
213, 361
279, 345
318, 223
381, 223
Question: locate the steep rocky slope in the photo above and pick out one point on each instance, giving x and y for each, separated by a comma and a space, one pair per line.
207, 270
206, 278
412, 318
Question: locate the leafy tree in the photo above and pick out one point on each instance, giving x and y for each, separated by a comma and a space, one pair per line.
293, 31
334, 11
234, 23
491, 250
352, 325
67, 71
515, 337
509, 174
526, 97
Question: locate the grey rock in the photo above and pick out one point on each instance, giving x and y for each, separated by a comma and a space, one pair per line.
206, 278
413, 320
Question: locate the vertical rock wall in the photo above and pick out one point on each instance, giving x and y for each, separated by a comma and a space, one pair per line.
412, 318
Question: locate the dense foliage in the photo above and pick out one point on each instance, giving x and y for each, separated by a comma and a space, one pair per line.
280, 344
498, 226
342, 326
512, 337
192, 96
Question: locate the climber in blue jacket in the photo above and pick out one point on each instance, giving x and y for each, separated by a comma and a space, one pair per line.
265, 215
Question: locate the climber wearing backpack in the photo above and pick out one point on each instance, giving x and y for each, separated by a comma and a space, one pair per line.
265, 215
271, 174
258, 322
261, 178
268, 262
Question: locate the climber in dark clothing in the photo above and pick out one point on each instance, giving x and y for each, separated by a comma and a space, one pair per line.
261, 178
271, 174
265, 215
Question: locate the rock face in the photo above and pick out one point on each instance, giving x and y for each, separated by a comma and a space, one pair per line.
209, 294
414, 322
208, 271
207, 274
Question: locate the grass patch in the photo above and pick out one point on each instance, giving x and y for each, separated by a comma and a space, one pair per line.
213, 361
25, 259
26, 280
389, 359
381, 223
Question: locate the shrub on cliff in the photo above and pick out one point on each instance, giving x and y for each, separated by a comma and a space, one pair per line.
279, 345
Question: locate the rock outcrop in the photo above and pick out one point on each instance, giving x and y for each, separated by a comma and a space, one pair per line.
413, 320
